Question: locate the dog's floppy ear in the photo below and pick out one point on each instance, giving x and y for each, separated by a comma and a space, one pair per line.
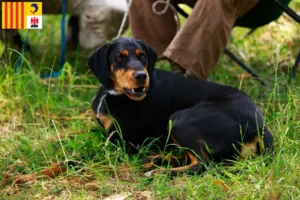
152, 56
98, 63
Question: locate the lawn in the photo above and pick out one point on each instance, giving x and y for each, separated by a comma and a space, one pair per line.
47, 121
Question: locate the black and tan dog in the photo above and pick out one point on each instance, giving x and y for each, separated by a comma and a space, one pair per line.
213, 122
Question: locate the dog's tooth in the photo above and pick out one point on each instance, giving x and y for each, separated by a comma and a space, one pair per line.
144, 89
132, 90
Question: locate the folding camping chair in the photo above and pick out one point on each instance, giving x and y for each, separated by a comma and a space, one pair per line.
263, 13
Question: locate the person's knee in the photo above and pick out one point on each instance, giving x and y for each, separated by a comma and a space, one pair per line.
100, 22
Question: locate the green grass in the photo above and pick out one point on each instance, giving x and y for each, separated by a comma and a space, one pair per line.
34, 111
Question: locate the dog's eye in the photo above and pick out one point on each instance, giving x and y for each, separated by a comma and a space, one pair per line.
142, 57
120, 58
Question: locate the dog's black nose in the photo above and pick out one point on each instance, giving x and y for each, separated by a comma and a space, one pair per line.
140, 75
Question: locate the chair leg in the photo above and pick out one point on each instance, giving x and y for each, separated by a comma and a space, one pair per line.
250, 32
294, 69
243, 65
296, 17
180, 11
288, 11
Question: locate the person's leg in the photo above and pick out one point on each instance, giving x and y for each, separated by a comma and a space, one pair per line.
200, 41
100, 21
156, 30
73, 32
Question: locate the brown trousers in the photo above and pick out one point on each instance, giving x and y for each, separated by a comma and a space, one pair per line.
197, 46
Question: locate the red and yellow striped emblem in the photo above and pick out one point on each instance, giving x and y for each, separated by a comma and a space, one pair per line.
14, 14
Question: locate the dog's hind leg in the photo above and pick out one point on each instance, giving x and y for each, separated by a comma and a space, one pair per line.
196, 163
157, 160
193, 166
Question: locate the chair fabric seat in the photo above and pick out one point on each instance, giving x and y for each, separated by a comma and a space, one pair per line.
263, 13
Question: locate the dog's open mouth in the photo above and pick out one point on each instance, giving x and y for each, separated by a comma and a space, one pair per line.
137, 92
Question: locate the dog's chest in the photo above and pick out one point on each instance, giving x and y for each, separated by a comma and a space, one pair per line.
137, 120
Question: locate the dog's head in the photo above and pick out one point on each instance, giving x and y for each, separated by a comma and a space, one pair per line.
123, 66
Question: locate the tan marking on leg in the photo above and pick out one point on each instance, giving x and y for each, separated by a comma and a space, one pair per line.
172, 158
105, 120
154, 157
167, 158
249, 149
194, 162
148, 165
204, 154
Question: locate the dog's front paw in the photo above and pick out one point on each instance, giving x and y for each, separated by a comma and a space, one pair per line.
153, 172
151, 161
148, 165
150, 173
